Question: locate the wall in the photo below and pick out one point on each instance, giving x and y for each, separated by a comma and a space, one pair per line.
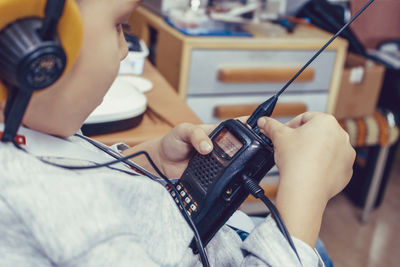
379, 23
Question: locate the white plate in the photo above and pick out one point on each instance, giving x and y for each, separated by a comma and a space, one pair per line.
142, 84
122, 101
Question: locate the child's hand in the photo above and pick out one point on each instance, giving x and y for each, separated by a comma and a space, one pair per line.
312, 152
171, 153
174, 148
315, 161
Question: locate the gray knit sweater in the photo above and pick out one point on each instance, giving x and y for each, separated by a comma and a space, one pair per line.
55, 217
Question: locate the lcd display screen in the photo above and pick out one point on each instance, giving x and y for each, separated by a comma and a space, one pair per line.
229, 144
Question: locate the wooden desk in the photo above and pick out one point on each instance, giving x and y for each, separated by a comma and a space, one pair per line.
165, 110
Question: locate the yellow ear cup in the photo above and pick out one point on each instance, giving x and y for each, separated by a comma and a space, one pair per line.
3, 92
70, 27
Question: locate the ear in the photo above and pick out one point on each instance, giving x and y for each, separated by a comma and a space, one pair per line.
70, 28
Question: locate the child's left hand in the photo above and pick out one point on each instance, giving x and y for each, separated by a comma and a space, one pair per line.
174, 149
171, 153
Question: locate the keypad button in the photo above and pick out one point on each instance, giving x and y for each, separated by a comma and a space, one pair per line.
193, 207
176, 200
173, 194
187, 200
183, 193
178, 187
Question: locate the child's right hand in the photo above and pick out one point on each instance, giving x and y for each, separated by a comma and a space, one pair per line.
315, 160
314, 149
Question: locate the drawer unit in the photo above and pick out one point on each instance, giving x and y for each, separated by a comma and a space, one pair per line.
215, 73
218, 72
205, 106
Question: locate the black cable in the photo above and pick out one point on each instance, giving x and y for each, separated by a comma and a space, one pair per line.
199, 243
256, 190
117, 155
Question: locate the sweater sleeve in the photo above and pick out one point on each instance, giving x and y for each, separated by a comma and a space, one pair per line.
266, 246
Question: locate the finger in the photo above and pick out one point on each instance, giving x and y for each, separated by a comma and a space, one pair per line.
271, 127
302, 119
200, 140
195, 135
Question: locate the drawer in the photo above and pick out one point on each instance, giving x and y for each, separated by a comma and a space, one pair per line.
257, 71
213, 109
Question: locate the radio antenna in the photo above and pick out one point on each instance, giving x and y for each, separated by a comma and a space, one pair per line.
266, 108
323, 48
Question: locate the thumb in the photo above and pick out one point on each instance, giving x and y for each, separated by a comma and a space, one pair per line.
272, 128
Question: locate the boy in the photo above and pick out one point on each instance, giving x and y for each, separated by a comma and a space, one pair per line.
104, 217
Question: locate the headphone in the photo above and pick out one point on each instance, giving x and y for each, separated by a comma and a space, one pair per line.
39, 41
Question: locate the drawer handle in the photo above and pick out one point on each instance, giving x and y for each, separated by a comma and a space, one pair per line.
263, 74
282, 110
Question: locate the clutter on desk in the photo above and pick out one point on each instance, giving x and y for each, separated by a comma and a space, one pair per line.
122, 108
196, 22
134, 61
230, 18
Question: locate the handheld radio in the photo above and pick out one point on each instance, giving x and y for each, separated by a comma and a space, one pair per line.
212, 187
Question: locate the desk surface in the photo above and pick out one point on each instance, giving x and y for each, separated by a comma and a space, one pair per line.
165, 110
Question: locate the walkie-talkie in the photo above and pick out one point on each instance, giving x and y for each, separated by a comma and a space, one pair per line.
212, 186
